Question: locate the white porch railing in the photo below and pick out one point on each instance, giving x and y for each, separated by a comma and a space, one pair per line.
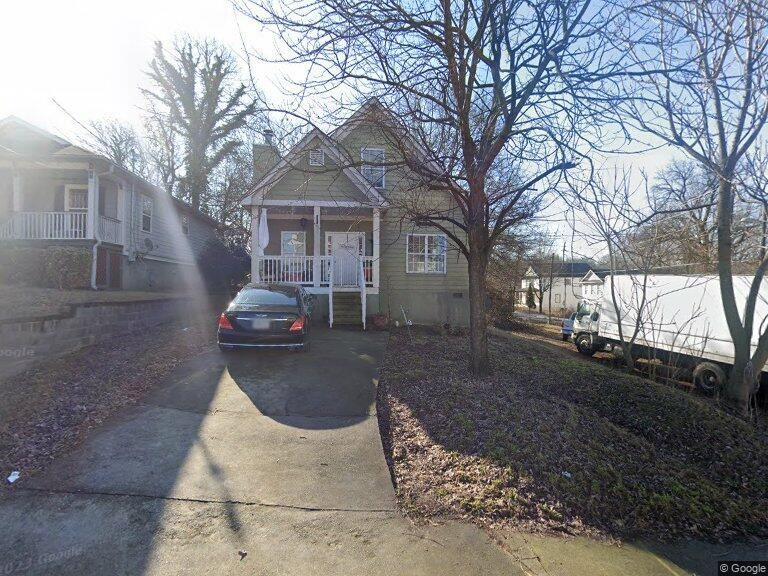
45, 226
301, 270
110, 230
289, 269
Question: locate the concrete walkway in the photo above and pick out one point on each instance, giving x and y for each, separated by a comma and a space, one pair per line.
252, 463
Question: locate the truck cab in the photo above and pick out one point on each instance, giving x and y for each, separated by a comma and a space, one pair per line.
586, 331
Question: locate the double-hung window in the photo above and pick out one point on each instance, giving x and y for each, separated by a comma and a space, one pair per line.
426, 254
147, 207
372, 167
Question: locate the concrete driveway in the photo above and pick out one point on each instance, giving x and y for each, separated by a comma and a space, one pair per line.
253, 463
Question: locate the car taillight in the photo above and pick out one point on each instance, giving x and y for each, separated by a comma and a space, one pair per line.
298, 325
224, 322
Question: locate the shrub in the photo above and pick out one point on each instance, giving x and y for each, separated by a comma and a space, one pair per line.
22, 266
224, 268
67, 268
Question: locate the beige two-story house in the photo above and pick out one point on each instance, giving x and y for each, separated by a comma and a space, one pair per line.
336, 218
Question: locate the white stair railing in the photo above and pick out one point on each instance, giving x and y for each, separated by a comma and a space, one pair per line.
362, 289
330, 291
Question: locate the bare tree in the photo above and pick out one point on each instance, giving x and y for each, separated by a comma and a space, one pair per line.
754, 187
702, 87
487, 99
194, 94
119, 142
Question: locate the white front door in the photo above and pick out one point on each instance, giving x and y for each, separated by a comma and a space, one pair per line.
347, 249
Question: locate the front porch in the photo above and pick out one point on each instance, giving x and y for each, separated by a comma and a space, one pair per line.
326, 247
61, 205
323, 248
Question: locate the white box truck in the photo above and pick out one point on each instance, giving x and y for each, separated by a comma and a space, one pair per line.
679, 320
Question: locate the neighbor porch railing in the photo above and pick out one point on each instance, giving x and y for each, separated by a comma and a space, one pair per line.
110, 230
45, 226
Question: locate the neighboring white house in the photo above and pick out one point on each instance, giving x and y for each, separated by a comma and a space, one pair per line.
566, 285
592, 284
56, 194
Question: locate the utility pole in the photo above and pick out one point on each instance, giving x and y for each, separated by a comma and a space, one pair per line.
551, 285
565, 288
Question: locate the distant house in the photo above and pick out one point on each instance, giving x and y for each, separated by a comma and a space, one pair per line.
53, 193
340, 230
592, 284
566, 285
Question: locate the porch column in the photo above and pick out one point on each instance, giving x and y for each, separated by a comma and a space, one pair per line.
376, 249
17, 192
255, 252
93, 203
316, 268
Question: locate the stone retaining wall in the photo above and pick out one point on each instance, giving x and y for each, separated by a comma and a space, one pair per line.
26, 342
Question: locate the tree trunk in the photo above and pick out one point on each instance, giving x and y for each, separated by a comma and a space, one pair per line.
478, 325
738, 388
740, 385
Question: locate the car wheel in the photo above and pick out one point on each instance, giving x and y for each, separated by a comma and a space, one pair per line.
709, 377
584, 345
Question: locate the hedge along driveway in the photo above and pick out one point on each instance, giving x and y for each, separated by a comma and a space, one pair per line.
52, 266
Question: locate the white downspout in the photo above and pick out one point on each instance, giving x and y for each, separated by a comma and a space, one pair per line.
93, 220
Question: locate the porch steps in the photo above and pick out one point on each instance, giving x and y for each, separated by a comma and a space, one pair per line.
347, 308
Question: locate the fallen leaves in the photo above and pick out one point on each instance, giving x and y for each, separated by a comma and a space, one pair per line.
548, 442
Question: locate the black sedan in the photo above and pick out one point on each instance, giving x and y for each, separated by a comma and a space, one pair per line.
267, 316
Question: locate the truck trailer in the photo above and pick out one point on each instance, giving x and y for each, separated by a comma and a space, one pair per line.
679, 321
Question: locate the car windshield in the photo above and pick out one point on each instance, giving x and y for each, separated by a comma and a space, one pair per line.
274, 295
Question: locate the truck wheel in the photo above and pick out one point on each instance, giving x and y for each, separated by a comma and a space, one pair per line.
709, 377
584, 345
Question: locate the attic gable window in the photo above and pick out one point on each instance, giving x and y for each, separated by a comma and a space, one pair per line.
372, 167
316, 157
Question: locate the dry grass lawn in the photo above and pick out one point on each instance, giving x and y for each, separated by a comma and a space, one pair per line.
552, 443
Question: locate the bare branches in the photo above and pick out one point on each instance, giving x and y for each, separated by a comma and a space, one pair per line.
193, 97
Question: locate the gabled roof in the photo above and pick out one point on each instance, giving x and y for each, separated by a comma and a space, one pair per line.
593, 277
375, 105
11, 120
288, 162
575, 269
69, 150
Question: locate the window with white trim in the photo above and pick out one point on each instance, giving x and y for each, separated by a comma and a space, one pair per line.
147, 207
373, 168
185, 225
76, 199
426, 254
316, 157
293, 243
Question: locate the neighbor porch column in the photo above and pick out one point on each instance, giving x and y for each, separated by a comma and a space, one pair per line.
255, 219
376, 244
17, 192
316, 268
93, 203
